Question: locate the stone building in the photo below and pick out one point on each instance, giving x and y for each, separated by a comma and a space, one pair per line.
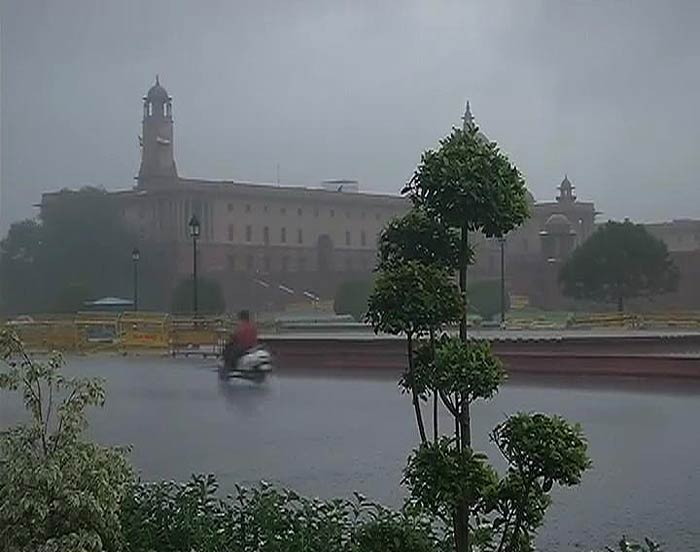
266, 244
269, 244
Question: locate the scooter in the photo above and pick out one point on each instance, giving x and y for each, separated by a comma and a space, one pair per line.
254, 365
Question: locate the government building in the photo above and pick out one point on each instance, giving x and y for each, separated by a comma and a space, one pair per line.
270, 245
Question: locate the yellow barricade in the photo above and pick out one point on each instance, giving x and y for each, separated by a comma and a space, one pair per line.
147, 330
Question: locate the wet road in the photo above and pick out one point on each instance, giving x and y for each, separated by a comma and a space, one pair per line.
332, 434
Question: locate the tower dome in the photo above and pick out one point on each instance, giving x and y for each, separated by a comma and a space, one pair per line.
157, 93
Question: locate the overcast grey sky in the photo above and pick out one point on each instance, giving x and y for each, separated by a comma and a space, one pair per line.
606, 91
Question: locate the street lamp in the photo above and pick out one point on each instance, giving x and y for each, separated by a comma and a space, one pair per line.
502, 241
194, 234
135, 257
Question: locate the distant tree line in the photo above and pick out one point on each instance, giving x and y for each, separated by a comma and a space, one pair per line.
79, 249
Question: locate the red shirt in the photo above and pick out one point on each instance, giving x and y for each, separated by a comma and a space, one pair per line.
246, 335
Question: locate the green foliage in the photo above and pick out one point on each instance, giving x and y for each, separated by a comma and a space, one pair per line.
469, 182
352, 297
81, 239
72, 298
541, 450
173, 517
620, 261
412, 298
420, 237
543, 447
57, 491
627, 546
470, 370
210, 297
441, 477
484, 297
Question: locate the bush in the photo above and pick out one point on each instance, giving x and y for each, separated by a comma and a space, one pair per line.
351, 298
210, 297
170, 517
57, 491
485, 297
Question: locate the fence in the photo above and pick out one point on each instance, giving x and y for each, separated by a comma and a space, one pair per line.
95, 331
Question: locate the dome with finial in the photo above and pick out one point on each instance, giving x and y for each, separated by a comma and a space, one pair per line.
157, 93
566, 190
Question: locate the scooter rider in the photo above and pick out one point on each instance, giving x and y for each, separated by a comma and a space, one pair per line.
244, 338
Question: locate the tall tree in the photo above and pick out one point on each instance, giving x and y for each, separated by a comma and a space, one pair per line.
80, 241
470, 185
466, 185
620, 261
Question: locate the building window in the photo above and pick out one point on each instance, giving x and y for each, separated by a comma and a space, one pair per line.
266, 235
347, 237
283, 210
248, 233
266, 208
364, 215
300, 236
231, 262
230, 232
249, 262
247, 208
230, 207
332, 212
299, 211
283, 235
285, 264
363, 238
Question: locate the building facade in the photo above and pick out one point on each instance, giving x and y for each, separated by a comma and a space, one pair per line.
268, 245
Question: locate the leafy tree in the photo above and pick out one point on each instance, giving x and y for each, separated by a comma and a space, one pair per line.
72, 298
210, 297
57, 491
352, 297
413, 299
484, 297
418, 236
80, 239
465, 185
20, 281
620, 261
470, 185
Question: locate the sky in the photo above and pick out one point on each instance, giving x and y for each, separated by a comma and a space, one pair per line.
604, 91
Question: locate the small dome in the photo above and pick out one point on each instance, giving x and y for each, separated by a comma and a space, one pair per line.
157, 93
557, 223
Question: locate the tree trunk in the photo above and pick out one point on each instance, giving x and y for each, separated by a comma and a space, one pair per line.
462, 429
435, 391
414, 395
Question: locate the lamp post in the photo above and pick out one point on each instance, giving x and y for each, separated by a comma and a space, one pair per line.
194, 234
502, 241
135, 257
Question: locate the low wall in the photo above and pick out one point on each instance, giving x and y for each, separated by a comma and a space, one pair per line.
636, 356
